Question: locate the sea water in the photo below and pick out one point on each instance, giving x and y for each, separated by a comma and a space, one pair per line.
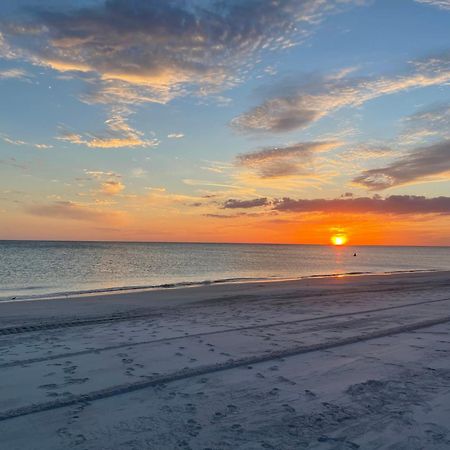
30, 269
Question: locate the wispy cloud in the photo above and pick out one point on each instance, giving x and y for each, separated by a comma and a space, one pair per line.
71, 211
299, 106
274, 162
12, 162
419, 165
175, 135
443, 4
13, 74
12, 141
428, 123
119, 134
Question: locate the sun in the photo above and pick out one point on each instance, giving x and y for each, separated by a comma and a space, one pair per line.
339, 239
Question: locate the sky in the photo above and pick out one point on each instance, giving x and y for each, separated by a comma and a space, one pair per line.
271, 121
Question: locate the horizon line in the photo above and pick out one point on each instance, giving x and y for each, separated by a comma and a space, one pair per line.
218, 243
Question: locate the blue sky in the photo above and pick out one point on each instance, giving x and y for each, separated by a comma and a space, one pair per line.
138, 114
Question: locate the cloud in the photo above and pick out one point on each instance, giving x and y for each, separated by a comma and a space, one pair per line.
419, 165
13, 74
12, 162
154, 50
69, 210
110, 183
112, 187
428, 123
395, 204
301, 104
119, 134
99, 174
175, 135
291, 160
254, 203
13, 141
443, 4
348, 204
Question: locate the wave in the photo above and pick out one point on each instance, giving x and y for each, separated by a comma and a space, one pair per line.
185, 284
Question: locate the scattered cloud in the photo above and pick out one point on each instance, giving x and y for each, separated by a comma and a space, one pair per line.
148, 50
300, 105
254, 203
175, 135
295, 159
420, 165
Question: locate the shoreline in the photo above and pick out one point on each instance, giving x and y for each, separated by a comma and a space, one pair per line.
151, 301
192, 284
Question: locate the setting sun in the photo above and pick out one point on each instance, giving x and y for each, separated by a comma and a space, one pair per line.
338, 239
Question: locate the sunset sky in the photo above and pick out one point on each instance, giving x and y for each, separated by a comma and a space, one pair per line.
282, 121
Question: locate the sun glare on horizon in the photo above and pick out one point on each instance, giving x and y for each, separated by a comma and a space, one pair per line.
339, 239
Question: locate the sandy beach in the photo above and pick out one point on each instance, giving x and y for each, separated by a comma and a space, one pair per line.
324, 363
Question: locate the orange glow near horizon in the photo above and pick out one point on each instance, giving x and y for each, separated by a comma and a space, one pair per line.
339, 239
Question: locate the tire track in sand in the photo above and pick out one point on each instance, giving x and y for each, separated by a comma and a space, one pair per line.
207, 333
209, 369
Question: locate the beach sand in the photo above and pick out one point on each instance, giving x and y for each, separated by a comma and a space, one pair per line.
324, 363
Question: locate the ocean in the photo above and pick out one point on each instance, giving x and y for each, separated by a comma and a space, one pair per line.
33, 269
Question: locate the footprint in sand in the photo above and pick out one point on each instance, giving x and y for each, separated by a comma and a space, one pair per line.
310, 394
70, 370
190, 407
286, 380
237, 427
77, 380
48, 386
288, 408
193, 427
